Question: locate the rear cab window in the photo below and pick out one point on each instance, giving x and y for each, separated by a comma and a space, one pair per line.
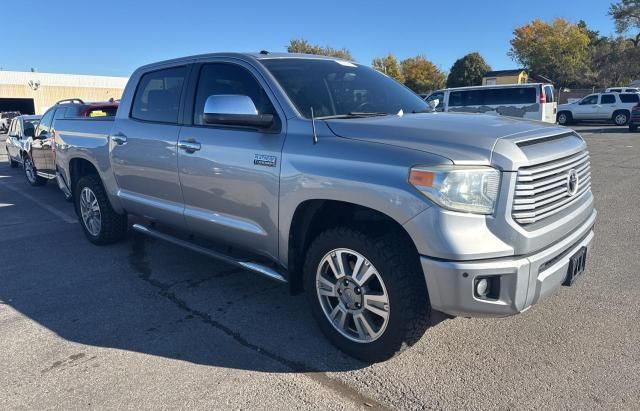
157, 97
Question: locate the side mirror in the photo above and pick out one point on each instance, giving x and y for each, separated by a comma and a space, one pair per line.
234, 110
433, 103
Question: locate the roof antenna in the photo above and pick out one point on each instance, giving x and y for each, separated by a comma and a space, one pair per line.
313, 127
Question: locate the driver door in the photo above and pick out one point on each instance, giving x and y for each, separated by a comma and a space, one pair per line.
230, 175
587, 108
42, 142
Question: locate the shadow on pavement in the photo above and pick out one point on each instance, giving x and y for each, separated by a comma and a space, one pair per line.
150, 297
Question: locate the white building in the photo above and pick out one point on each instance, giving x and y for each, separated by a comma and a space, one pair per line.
34, 93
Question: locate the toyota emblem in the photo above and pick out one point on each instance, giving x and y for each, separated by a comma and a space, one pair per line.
572, 182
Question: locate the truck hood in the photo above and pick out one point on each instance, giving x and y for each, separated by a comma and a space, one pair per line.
463, 138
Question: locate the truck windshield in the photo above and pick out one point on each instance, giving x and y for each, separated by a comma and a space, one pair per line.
340, 88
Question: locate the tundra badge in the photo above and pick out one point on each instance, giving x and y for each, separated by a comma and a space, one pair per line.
264, 160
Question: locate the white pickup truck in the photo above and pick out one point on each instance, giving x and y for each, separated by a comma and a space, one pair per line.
614, 107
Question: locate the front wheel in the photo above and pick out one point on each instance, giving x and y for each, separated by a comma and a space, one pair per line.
368, 294
564, 118
99, 221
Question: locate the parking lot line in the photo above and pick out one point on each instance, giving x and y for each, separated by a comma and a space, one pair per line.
50, 209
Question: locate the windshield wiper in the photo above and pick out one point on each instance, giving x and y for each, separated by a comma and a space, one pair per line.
354, 114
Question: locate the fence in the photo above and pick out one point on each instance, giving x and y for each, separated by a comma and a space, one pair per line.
564, 95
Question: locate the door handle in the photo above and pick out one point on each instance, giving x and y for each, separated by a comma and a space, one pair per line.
189, 145
119, 138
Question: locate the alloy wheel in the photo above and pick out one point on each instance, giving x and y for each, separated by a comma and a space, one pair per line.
90, 211
29, 170
353, 295
621, 119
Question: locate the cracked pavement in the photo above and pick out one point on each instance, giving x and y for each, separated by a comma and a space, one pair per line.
143, 324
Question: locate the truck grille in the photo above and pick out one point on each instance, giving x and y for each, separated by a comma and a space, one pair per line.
543, 190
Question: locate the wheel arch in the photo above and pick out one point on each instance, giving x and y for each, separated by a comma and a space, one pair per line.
311, 217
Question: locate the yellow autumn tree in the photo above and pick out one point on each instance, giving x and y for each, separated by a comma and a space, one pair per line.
421, 75
558, 50
388, 65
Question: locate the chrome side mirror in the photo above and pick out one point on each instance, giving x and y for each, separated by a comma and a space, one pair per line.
234, 110
433, 104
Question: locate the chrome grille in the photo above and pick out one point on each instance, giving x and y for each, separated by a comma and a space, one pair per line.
542, 189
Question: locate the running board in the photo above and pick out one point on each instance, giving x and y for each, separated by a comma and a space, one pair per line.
247, 265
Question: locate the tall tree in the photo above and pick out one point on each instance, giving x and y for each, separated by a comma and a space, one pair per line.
421, 75
303, 46
389, 65
626, 14
614, 62
468, 71
558, 50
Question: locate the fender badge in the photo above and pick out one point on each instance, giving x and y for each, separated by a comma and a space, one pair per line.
264, 160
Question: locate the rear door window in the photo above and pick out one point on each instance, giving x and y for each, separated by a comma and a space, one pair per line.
157, 97
630, 98
608, 99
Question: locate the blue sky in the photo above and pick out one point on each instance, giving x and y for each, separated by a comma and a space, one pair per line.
114, 37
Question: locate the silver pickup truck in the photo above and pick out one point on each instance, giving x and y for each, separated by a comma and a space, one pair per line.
337, 180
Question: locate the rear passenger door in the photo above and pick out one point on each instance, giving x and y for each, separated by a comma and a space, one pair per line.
231, 182
144, 147
607, 106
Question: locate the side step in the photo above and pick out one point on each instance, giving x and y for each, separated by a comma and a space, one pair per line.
247, 265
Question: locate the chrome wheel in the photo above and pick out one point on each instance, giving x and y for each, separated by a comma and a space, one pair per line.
621, 119
29, 170
353, 295
90, 211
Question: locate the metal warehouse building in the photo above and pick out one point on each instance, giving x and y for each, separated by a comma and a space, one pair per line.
34, 93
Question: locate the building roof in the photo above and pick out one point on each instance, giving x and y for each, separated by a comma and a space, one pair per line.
498, 73
35, 79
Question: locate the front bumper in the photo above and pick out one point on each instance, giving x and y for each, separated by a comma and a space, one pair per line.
524, 280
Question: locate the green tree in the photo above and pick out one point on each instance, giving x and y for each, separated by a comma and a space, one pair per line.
421, 75
626, 14
303, 46
614, 62
468, 71
389, 65
558, 50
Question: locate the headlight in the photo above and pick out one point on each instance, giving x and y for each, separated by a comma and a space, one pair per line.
470, 189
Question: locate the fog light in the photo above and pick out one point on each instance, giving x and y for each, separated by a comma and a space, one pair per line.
482, 287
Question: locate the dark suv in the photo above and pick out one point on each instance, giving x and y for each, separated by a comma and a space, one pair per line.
634, 121
39, 157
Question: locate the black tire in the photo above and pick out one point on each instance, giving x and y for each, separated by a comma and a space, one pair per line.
400, 269
620, 118
31, 173
112, 226
633, 128
564, 118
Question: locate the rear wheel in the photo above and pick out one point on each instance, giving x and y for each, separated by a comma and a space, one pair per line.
367, 294
621, 118
99, 221
564, 118
31, 172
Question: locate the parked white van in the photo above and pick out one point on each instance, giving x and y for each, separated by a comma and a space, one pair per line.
535, 101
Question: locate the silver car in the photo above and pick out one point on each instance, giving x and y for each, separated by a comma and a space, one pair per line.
21, 128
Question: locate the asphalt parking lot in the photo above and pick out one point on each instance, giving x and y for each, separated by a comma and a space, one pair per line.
142, 324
